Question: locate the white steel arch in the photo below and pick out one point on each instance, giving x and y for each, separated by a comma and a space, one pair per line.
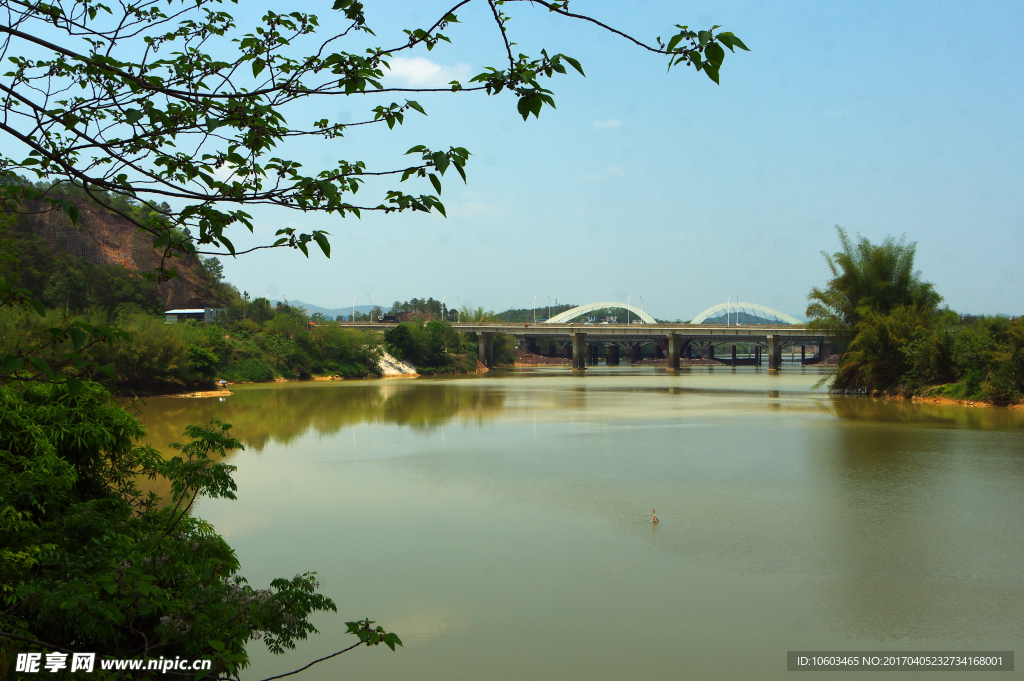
714, 310
569, 315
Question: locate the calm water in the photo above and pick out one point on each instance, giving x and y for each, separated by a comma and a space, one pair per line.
500, 524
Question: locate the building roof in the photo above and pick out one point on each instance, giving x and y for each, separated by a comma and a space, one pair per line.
196, 310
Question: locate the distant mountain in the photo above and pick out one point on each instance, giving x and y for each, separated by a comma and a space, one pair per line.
331, 312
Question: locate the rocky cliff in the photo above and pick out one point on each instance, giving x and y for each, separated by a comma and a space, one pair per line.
105, 238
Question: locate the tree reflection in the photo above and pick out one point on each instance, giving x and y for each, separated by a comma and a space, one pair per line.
283, 413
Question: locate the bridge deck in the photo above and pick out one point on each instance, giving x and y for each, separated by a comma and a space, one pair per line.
634, 332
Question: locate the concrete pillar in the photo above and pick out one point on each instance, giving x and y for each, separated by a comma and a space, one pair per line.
634, 352
659, 350
485, 347
531, 346
579, 350
567, 351
823, 351
803, 355
687, 349
673, 351
774, 352
613, 355
711, 351
593, 355
734, 354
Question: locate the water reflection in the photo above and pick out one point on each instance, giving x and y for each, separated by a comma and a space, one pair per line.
906, 411
480, 508
283, 413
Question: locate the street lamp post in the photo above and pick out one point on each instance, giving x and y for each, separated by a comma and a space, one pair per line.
353, 320
371, 307
443, 315
627, 310
535, 309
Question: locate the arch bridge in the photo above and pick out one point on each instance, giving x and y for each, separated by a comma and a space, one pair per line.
676, 341
581, 310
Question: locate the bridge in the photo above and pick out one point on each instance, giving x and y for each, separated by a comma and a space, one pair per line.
673, 341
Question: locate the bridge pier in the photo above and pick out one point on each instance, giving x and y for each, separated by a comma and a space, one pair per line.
613, 355
593, 355
634, 353
687, 349
485, 348
579, 350
673, 351
774, 352
711, 352
734, 354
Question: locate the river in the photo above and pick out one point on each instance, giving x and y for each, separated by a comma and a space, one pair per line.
500, 524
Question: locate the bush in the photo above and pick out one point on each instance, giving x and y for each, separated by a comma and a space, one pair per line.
249, 371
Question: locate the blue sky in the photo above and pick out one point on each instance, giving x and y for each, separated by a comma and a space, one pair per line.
885, 118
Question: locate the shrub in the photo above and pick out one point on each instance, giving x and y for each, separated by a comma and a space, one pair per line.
249, 370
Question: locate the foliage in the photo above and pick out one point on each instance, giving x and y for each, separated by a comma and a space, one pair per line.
527, 315
868, 278
179, 103
434, 344
87, 562
427, 306
900, 342
505, 349
478, 314
884, 349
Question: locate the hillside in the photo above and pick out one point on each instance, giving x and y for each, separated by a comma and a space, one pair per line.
102, 238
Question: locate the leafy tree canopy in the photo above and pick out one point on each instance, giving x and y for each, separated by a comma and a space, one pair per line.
868, 278
176, 102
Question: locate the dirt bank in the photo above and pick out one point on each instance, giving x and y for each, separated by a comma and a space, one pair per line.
964, 403
528, 359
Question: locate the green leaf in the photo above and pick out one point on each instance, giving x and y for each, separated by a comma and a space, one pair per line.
71, 209
78, 336
11, 364
321, 240
695, 60
711, 70
731, 41
133, 116
703, 37
436, 182
40, 364
216, 645
416, 106
575, 64
714, 54
110, 587
144, 587
524, 107
257, 66
74, 386
441, 161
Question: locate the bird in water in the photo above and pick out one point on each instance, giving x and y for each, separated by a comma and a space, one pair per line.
654, 518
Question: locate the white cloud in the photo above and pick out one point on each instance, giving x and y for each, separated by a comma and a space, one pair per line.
608, 124
421, 72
